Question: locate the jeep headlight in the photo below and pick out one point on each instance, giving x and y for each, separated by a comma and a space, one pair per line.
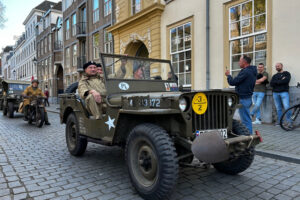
230, 101
182, 104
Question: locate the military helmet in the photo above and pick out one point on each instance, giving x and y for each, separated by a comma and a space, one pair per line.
35, 80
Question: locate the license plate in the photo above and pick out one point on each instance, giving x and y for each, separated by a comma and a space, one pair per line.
222, 132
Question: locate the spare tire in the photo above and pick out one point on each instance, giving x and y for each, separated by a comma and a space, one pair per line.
72, 88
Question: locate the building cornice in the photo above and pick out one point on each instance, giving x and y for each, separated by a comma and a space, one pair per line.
155, 8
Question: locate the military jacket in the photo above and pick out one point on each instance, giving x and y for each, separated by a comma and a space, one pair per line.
29, 91
88, 83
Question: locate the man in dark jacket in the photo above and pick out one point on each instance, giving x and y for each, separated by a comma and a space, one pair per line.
244, 84
280, 84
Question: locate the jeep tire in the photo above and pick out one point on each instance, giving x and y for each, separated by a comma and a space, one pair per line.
151, 160
10, 110
76, 144
241, 163
4, 112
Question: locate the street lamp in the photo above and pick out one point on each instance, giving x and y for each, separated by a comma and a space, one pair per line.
14, 72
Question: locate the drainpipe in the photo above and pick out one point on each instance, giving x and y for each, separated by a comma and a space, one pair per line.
207, 47
112, 22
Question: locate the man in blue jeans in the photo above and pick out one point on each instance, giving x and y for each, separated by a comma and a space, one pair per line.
244, 84
259, 92
280, 84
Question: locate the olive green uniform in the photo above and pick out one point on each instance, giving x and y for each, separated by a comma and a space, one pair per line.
88, 83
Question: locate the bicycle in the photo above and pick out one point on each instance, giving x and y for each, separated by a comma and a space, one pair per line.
290, 119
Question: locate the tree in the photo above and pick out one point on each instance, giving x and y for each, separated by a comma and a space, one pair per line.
2, 16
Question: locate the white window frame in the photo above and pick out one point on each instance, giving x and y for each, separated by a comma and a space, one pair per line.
74, 24
107, 7
134, 7
95, 12
247, 36
74, 55
67, 29
182, 51
67, 57
96, 46
107, 43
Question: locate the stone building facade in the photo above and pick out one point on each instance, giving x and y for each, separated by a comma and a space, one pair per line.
85, 36
49, 59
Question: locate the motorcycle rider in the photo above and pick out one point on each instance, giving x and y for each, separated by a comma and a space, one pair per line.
30, 91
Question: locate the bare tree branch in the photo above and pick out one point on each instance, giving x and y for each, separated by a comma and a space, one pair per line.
2, 15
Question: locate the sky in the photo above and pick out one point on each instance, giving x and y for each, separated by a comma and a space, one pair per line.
16, 12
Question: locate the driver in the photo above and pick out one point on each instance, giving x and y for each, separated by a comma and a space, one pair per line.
92, 89
31, 91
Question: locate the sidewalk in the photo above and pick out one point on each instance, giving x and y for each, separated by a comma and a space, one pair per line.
54, 108
277, 143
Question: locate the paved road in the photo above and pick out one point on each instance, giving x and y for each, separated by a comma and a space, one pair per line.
35, 164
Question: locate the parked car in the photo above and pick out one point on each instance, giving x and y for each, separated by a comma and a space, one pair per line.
158, 125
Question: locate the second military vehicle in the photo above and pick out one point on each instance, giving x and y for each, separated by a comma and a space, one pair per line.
12, 95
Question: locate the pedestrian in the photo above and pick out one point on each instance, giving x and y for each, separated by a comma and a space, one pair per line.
244, 84
47, 96
259, 92
280, 84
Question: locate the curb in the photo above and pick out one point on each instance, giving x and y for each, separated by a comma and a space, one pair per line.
56, 110
279, 156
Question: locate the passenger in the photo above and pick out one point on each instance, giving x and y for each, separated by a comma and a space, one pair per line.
138, 71
92, 90
29, 92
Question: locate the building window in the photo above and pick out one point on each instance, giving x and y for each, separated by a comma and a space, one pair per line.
67, 29
107, 7
46, 44
50, 42
42, 47
74, 55
107, 42
95, 11
38, 51
247, 33
73, 24
96, 46
135, 6
181, 51
67, 57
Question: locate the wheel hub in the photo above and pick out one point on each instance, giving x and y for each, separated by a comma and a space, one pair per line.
147, 162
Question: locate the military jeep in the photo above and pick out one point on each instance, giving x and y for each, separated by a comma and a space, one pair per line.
159, 126
12, 95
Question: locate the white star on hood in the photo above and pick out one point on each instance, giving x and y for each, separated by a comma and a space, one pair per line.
110, 123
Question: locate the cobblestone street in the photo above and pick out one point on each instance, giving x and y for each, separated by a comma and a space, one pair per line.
35, 164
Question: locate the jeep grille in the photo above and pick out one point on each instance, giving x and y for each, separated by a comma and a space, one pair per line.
215, 116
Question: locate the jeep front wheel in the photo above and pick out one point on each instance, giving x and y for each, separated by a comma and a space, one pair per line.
4, 110
10, 109
241, 163
151, 160
76, 144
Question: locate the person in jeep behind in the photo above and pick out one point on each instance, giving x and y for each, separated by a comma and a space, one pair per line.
244, 84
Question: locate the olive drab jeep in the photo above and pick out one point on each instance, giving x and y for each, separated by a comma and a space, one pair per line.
12, 96
158, 125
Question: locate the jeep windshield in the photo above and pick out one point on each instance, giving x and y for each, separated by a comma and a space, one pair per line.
17, 87
136, 74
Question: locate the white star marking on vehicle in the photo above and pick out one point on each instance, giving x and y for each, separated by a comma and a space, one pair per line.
110, 123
